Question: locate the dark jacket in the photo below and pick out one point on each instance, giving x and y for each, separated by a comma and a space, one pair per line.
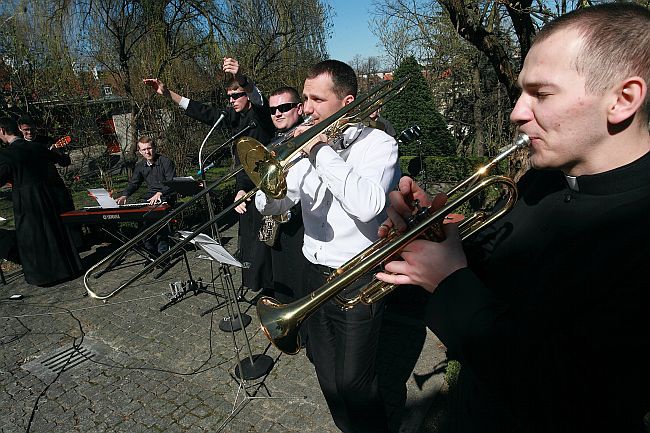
46, 252
550, 322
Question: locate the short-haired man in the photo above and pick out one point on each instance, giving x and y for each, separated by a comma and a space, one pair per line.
288, 262
285, 105
547, 310
44, 246
153, 169
28, 128
342, 189
247, 107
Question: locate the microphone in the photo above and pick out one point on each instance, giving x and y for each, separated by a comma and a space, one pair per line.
221, 117
409, 134
230, 140
206, 168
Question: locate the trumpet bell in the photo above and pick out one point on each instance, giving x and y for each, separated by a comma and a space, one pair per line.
263, 168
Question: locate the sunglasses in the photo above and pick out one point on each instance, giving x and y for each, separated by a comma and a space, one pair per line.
235, 96
283, 108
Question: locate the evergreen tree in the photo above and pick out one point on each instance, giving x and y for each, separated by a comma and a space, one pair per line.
415, 106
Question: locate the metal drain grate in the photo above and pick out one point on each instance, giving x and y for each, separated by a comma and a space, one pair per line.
64, 359
67, 359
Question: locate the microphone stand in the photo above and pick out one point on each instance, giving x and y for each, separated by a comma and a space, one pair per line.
202, 168
254, 366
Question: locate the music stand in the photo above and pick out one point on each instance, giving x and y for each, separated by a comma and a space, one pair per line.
185, 186
254, 366
217, 253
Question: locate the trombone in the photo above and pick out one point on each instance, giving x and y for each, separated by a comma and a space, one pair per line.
265, 166
281, 322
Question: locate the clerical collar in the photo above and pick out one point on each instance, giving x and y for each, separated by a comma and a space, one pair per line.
620, 179
572, 181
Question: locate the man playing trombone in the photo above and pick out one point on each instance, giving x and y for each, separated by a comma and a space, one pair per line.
342, 189
547, 310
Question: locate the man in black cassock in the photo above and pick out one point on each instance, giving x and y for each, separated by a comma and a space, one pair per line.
547, 309
44, 247
247, 107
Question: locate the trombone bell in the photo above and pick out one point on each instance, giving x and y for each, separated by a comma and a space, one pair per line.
262, 167
281, 325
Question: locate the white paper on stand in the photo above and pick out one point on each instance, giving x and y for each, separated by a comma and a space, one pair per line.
103, 198
212, 248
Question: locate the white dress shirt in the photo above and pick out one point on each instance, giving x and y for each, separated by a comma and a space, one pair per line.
343, 197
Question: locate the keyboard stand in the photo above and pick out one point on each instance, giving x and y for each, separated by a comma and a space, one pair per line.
138, 249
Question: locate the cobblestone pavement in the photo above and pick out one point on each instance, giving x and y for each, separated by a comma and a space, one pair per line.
129, 367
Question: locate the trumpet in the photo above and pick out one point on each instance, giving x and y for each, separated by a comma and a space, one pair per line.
281, 322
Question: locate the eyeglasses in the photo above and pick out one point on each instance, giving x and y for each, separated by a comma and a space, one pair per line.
283, 108
235, 96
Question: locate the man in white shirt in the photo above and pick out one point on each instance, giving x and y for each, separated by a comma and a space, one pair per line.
342, 188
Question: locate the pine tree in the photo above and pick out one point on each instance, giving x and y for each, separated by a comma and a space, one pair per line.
415, 106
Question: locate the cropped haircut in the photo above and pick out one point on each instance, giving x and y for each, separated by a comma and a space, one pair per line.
26, 119
343, 76
145, 139
295, 95
615, 44
233, 85
9, 125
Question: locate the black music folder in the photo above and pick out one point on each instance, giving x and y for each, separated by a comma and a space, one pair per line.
185, 186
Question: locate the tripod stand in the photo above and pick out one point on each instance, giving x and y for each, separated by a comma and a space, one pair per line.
179, 289
253, 366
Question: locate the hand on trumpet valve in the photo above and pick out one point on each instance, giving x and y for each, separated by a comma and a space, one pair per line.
320, 138
425, 263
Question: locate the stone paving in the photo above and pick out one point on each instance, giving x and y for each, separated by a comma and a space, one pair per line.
129, 367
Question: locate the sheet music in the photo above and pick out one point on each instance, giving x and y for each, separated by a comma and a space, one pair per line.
103, 198
212, 248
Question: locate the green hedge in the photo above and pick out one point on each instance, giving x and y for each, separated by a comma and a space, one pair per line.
446, 168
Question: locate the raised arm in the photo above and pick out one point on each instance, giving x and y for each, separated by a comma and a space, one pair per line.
160, 88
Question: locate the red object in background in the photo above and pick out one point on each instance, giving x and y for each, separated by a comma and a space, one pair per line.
113, 147
107, 128
62, 142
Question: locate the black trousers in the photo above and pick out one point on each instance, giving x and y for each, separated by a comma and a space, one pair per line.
343, 346
254, 254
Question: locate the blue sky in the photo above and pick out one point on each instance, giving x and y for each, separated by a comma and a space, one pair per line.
351, 34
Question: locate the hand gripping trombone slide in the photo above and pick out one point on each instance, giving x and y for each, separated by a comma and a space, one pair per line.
267, 168
281, 322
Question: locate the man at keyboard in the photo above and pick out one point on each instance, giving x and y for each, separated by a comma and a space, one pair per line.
153, 169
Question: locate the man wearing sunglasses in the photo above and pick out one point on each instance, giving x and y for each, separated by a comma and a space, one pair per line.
286, 255
286, 109
246, 107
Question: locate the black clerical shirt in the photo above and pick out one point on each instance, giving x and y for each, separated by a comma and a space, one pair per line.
154, 174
